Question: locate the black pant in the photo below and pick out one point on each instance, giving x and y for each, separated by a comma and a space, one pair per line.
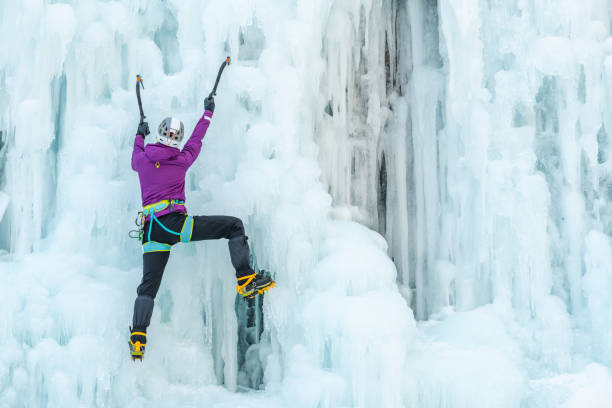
154, 263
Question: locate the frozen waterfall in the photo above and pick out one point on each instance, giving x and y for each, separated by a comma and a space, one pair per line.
430, 181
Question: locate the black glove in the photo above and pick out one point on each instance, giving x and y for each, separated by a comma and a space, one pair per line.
209, 104
143, 129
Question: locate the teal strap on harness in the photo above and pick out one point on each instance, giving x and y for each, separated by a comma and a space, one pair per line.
187, 229
153, 246
185, 235
154, 218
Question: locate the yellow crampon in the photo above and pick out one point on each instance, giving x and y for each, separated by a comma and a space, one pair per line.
242, 288
250, 293
266, 288
137, 348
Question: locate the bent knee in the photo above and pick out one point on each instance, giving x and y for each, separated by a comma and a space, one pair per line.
237, 228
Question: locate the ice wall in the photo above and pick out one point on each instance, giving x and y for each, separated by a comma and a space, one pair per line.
527, 161
472, 135
484, 160
336, 330
383, 99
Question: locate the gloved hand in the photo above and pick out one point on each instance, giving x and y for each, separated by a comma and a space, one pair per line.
143, 129
209, 104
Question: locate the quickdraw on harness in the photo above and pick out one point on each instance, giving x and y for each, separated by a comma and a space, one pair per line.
140, 223
151, 211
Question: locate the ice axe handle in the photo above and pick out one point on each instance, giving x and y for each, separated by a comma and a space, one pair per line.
226, 62
139, 84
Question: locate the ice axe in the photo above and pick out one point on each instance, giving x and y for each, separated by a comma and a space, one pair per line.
214, 91
139, 84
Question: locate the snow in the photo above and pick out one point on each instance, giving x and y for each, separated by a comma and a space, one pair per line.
429, 182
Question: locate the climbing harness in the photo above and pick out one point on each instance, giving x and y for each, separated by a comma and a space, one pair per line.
139, 84
223, 65
151, 210
154, 208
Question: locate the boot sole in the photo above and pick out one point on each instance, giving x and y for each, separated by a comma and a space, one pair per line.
139, 358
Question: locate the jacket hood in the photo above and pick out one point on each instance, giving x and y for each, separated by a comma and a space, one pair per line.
159, 151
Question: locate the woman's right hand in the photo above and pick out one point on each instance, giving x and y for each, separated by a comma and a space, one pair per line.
143, 129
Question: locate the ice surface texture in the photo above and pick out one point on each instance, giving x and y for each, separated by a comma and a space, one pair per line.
472, 135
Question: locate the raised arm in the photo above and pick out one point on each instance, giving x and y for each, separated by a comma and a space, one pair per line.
138, 153
192, 148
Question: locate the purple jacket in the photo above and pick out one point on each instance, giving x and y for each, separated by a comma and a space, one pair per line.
162, 169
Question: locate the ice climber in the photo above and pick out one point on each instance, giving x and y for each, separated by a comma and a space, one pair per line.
161, 168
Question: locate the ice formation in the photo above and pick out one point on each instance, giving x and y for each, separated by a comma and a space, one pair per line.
430, 181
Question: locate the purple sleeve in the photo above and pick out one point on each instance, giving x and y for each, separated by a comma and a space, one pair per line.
192, 148
138, 152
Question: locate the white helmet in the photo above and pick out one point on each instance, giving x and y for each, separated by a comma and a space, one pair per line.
170, 132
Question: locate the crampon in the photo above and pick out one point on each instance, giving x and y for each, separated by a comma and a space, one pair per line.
138, 341
255, 284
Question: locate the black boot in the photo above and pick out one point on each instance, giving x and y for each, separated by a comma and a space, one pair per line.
138, 341
256, 283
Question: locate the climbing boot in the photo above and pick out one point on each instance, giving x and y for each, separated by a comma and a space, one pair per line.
138, 341
256, 283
